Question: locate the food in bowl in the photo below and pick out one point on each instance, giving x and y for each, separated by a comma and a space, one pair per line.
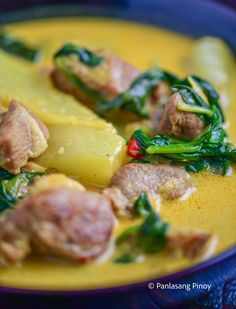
111, 171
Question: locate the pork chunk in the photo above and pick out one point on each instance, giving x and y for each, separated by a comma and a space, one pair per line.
191, 245
22, 136
63, 222
132, 179
170, 121
112, 77
161, 94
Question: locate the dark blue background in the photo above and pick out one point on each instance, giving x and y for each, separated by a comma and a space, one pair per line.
8, 5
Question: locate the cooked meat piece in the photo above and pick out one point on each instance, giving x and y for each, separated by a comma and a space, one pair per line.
156, 115
64, 222
110, 78
170, 121
161, 93
191, 244
22, 136
41, 125
175, 187
132, 179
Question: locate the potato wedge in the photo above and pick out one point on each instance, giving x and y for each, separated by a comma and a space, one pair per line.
81, 144
32, 87
91, 154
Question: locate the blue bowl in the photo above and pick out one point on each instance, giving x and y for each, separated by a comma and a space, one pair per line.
193, 18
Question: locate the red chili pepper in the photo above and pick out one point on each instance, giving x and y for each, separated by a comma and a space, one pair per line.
133, 149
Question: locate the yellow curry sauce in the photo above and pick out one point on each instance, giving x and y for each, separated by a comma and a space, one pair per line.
212, 208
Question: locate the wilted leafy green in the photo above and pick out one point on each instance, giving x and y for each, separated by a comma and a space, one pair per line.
17, 47
193, 103
207, 88
135, 98
129, 232
124, 259
61, 62
221, 165
142, 205
84, 55
149, 236
13, 188
209, 150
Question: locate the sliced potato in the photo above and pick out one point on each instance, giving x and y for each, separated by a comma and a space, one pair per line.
81, 144
91, 154
33, 88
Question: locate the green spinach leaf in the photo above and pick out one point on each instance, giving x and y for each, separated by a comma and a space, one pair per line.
135, 98
13, 188
142, 206
151, 235
207, 88
85, 55
125, 258
17, 47
193, 103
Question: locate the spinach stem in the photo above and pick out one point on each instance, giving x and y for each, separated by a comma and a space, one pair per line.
194, 109
174, 148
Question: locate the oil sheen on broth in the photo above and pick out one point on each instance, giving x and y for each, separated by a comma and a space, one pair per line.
211, 208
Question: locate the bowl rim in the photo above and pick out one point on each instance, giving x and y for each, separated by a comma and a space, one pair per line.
58, 10
139, 15
181, 274
114, 12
